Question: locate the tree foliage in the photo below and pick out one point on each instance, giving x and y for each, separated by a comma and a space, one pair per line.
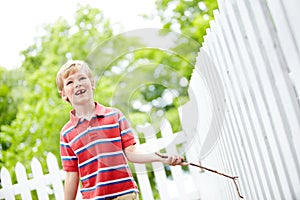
33, 125
187, 17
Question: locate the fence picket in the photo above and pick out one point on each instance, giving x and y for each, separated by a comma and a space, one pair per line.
166, 131
56, 176
158, 168
7, 192
149, 133
161, 181
143, 180
23, 181
39, 180
287, 38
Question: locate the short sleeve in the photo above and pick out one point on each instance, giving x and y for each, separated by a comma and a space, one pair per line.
127, 135
68, 157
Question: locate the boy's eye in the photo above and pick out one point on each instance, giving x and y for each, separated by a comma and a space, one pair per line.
81, 78
69, 82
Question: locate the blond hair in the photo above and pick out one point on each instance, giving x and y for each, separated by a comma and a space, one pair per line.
71, 67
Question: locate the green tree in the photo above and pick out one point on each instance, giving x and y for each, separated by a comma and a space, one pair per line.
10, 94
187, 21
146, 80
187, 17
10, 98
35, 126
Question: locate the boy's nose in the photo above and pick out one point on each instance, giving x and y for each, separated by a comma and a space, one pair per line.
77, 83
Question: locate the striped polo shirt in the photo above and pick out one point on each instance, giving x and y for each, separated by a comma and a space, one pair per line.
94, 149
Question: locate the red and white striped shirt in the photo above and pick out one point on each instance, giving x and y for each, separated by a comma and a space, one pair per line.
95, 149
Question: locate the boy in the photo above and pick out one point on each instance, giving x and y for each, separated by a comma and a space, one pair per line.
97, 141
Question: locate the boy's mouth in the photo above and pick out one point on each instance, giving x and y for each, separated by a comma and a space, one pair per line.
79, 92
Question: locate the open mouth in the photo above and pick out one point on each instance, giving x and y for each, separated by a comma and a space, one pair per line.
79, 92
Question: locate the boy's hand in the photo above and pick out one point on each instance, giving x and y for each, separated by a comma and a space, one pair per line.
172, 159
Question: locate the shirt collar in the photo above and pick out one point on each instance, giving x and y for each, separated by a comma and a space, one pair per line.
99, 111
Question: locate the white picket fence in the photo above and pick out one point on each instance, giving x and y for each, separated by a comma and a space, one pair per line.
182, 185
43, 184
250, 65
50, 186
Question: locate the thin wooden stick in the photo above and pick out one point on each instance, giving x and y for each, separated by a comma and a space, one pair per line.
222, 174
211, 170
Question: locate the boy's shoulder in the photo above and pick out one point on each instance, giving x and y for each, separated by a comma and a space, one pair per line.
66, 127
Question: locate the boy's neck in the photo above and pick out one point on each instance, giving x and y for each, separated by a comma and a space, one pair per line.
86, 111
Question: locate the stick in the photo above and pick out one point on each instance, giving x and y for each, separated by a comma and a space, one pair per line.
211, 170
214, 171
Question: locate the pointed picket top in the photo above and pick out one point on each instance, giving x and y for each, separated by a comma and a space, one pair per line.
166, 128
150, 137
36, 168
147, 129
52, 162
38, 176
23, 181
55, 177
21, 172
5, 177
167, 133
6, 184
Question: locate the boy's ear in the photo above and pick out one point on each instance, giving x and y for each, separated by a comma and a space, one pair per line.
63, 96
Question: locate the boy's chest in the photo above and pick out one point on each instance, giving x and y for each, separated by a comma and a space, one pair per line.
99, 131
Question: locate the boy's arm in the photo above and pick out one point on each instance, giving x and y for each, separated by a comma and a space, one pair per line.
137, 155
71, 185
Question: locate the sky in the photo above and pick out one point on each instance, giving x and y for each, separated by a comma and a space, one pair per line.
21, 21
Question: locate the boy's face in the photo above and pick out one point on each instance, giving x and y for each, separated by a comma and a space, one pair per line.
77, 88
